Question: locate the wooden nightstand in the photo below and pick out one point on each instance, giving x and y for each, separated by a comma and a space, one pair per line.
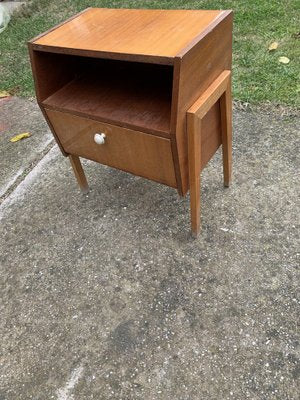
144, 91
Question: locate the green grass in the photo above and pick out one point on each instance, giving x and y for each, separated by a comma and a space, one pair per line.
258, 76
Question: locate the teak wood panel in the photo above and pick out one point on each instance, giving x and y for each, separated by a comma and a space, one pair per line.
219, 91
194, 72
51, 72
195, 67
139, 33
132, 151
129, 94
211, 138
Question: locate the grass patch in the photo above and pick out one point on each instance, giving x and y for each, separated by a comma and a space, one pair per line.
258, 77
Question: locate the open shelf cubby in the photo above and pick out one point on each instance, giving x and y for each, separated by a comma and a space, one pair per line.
132, 94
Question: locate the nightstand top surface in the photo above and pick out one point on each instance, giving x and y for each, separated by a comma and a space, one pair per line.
163, 34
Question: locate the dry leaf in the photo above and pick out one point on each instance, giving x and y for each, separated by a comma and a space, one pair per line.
273, 46
284, 60
20, 136
4, 93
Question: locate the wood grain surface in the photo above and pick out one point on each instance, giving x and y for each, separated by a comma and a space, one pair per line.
105, 66
136, 152
133, 95
226, 121
195, 150
197, 68
79, 173
161, 34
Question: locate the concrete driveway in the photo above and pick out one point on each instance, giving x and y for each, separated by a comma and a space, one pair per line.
106, 296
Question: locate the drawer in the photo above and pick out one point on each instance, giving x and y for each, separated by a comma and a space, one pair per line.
140, 153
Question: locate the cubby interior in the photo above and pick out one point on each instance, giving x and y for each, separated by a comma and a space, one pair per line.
132, 94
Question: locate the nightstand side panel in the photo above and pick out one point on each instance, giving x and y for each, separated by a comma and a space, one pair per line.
199, 67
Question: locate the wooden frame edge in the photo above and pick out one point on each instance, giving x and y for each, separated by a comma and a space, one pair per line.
219, 89
58, 25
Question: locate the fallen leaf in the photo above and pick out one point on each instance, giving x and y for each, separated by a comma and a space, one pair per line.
20, 136
273, 46
4, 93
284, 60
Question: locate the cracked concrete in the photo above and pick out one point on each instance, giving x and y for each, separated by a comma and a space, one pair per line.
106, 296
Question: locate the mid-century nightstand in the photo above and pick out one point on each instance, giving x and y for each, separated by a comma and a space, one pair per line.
144, 91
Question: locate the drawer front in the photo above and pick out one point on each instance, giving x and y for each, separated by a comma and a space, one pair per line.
132, 151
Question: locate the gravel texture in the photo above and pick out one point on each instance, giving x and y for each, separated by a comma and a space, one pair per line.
107, 296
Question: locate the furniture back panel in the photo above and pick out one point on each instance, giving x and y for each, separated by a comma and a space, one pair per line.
129, 94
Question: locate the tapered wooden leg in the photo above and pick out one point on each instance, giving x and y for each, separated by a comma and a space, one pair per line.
226, 123
194, 155
79, 173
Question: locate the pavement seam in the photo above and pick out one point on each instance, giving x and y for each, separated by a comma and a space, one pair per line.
26, 171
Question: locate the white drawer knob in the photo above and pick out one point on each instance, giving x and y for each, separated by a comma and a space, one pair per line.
99, 138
